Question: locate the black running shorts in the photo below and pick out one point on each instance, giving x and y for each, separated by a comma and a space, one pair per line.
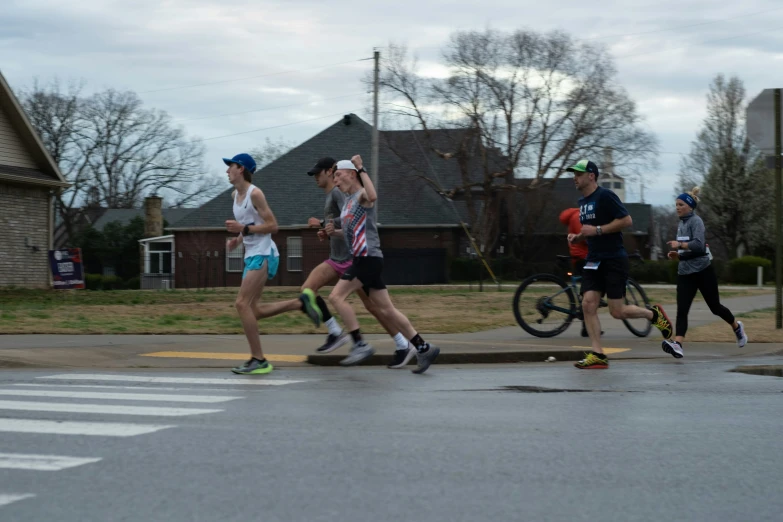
608, 279
368, 270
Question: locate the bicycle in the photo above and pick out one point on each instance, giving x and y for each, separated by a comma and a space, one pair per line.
546, 307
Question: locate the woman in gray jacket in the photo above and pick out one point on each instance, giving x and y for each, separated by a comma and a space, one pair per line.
695, 272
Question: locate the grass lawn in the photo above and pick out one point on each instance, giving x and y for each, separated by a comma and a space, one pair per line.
759, 325
431, 310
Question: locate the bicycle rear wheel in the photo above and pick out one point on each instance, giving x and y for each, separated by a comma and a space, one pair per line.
634, 295
544, 305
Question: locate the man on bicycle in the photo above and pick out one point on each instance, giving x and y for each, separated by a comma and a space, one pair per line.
603, 216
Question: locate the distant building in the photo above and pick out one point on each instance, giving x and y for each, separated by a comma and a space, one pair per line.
609, 179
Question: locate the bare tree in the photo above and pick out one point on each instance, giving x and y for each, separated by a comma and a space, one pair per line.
529, 105
665, 222
56, 114
114, 151
132, 152
735, 184
270, 150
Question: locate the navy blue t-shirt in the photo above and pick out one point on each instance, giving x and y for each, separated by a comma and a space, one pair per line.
601, 208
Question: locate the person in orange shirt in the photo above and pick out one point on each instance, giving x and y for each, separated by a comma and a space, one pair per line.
570, 218
578, 251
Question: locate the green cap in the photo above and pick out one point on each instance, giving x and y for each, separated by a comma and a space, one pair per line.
584, 166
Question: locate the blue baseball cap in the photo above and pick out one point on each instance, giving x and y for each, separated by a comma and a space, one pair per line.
246, 160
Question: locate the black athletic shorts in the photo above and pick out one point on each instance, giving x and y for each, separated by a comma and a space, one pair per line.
368, 270
608, 279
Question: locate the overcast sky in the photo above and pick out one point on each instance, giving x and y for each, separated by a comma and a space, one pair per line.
666, 52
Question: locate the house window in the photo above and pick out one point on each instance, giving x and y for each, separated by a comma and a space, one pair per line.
618, 184
294, 249
607, 184
159, 258
235, 259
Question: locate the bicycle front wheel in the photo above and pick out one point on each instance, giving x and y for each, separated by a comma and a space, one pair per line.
634, 295
544, 305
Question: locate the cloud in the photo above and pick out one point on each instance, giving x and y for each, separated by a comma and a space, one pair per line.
148, 45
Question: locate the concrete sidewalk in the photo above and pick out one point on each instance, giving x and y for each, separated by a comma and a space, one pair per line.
503, 345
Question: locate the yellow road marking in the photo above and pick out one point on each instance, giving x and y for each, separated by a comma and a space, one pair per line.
232, 356
606, 350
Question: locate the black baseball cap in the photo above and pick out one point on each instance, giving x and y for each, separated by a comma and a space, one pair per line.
584, 166
323, 164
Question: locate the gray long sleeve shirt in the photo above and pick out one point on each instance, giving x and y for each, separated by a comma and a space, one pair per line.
691, 231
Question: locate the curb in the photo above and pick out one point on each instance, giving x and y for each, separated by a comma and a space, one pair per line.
461, 358
772, 371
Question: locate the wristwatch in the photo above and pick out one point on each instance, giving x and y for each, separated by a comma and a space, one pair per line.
598, 230
359, 171
246, 231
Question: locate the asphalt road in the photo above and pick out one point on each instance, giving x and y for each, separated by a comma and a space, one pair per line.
641, 441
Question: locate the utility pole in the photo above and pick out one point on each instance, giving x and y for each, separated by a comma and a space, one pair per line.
778, 197
375, 135
763, 124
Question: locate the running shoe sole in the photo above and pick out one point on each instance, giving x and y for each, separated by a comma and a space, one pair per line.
258, 371
341, 341
355, 358
432, 354
408, 356
671, 350
311, 307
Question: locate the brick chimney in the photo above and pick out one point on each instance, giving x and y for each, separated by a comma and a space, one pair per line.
153, 216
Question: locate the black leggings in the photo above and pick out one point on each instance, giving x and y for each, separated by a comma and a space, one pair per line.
707, 283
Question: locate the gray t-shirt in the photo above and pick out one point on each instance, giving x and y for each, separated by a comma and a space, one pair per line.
691, 231
338, 248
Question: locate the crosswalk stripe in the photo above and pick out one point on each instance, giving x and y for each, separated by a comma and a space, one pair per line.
99, 429
119, 396
42, 462
6, 498
102, 408
116, 387
169, 380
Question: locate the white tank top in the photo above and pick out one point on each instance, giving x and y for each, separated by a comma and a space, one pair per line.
246, 213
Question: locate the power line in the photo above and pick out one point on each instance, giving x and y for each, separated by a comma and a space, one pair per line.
267, 108
233, 80
276, 126
681, 26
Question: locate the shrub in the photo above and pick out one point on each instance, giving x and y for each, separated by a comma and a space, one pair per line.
743, 269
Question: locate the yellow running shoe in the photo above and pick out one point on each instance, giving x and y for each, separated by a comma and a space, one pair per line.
593, 361
662, 321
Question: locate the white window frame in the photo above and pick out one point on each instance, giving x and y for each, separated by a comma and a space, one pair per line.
294, 251
148, 254
237, 253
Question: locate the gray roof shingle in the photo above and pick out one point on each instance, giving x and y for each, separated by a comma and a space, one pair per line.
404, 198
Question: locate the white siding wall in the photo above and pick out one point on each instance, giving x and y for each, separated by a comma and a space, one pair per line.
12, 150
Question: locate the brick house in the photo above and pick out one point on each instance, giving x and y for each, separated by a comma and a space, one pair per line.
29, 182
543, 236
419, 231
